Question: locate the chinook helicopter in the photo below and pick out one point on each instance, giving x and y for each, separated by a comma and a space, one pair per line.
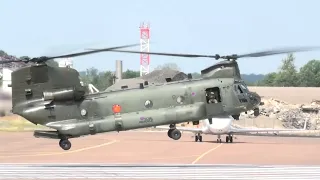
54, 97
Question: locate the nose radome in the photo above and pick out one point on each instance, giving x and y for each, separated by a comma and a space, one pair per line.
255, 99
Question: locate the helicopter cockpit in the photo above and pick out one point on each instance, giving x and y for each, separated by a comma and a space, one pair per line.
241, 88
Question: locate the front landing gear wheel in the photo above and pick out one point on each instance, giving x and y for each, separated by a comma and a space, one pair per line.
65, 144
175, 134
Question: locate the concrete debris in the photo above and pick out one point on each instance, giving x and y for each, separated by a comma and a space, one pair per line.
293, 116
314, 102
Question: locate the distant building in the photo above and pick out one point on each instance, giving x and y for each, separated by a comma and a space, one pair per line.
65, 62
154, 77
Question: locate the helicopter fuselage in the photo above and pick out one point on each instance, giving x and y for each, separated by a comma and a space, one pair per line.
148, 106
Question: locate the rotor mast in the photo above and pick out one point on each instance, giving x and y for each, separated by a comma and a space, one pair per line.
144, 47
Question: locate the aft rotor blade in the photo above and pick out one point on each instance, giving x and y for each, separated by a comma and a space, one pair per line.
278, 51
91, 52
12, 61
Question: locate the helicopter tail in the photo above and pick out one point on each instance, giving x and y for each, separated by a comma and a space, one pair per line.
38, 83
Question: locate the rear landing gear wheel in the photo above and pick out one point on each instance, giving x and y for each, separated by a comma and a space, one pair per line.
175, 134
65, 144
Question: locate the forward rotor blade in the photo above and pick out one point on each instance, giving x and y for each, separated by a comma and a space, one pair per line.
255, 54
164, 54
91, 52
278, 51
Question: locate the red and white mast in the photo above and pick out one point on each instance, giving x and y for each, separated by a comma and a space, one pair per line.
144, 47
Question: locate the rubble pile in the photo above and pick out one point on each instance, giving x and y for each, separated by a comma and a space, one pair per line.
291, 115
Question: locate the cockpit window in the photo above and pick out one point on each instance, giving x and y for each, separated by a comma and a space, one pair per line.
240, 88
243, 87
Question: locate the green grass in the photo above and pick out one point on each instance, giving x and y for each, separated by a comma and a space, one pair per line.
18, 124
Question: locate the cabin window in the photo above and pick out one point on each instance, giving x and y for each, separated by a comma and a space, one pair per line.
39, 74
213, 95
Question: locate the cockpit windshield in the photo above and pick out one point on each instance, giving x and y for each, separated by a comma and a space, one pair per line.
241, 88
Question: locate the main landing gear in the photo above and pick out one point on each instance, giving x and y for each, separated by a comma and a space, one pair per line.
198, 137
65, 144
229, 139
173, 132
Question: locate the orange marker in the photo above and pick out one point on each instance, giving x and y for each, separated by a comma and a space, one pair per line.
116, 108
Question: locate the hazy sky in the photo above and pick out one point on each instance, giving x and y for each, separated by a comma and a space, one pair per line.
39, 27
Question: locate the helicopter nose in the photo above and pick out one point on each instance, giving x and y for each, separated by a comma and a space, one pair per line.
254, 99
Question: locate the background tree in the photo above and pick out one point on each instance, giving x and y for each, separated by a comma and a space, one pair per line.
101, 80
309, 75
287, 76
268, 80
130, 74
172, 66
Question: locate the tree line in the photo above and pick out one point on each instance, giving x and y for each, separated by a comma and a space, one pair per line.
289, 76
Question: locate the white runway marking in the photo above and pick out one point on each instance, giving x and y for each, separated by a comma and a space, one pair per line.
136, 171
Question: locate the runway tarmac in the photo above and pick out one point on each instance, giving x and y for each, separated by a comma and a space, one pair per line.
136, 171
156, 148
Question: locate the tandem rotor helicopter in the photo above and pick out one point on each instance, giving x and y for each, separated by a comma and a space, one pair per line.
54, 97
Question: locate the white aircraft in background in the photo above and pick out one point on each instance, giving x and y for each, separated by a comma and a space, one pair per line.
220, 126
5, 103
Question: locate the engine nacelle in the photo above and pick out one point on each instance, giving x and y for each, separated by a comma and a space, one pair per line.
63, 95
195, 123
